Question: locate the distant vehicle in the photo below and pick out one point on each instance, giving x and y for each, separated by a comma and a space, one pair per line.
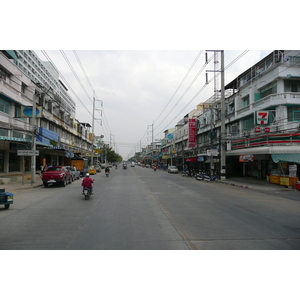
98, 168
92, 170
172, 169
81, 165
147, 166
56, 175
75, 174
103, 166
132, 164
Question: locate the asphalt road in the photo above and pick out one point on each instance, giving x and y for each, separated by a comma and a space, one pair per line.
140, 209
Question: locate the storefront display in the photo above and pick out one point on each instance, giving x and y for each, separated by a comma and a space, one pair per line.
286, 174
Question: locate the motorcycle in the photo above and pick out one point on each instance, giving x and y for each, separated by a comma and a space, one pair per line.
154, 169
107, 174
199, 176
87, 193
185, 173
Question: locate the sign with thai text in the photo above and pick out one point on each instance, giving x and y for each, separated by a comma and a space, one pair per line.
192, 133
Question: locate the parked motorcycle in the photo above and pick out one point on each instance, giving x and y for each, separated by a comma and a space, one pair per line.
185, 173
199, 176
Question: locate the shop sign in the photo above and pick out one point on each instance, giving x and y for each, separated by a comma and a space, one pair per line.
165, 157
27, 111
192, 133
246, 158
262, 117
191, 159
293, 171
256, 129
212, 152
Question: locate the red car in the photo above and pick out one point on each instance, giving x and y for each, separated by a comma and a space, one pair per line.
56, 175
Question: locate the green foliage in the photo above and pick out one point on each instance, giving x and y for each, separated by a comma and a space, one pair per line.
112, 156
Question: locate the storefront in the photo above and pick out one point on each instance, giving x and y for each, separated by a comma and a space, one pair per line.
278, 164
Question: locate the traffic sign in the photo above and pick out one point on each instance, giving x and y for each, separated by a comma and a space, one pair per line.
28, 152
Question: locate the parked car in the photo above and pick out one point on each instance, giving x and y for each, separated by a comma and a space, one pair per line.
75, 174
56, 175
172, 169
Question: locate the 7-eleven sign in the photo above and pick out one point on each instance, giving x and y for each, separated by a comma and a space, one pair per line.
262, 117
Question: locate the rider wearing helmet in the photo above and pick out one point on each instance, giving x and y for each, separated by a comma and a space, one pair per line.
87, 182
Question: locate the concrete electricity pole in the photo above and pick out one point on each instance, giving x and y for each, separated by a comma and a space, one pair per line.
33, 157
223, 131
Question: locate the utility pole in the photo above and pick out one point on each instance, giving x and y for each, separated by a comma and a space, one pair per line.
223, 132
93, 130
223, 129
152, 146
33, 157
93, 125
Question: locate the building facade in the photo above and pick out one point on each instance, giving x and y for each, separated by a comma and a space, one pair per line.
24, 78
262, 120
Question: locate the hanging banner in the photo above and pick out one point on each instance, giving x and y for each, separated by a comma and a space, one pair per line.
192, 133
262, 117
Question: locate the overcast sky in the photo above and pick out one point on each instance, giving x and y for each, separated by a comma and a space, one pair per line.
142, 52
140, 88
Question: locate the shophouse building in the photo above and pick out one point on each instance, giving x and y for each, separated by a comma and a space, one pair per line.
262, 120
25, 78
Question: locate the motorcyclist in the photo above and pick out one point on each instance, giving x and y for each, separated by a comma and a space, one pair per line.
107, 170
87, 182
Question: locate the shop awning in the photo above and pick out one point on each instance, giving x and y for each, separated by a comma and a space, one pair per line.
291, 157
265, 150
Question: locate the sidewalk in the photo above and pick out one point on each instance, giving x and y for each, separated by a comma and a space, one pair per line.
255, 184
16, 183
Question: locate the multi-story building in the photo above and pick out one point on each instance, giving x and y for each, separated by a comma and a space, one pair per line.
24, 78
263, 116
262, 122
16, 90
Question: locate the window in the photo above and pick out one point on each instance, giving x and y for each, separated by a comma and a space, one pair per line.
3, 132
294, 114
3, 74
4, 106
292, 86
17, 111
268, 90
17, 134
248, 124
23, 87
246, 101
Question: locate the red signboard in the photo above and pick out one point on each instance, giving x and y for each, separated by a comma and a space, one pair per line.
192, 133
191, 159
256, 129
